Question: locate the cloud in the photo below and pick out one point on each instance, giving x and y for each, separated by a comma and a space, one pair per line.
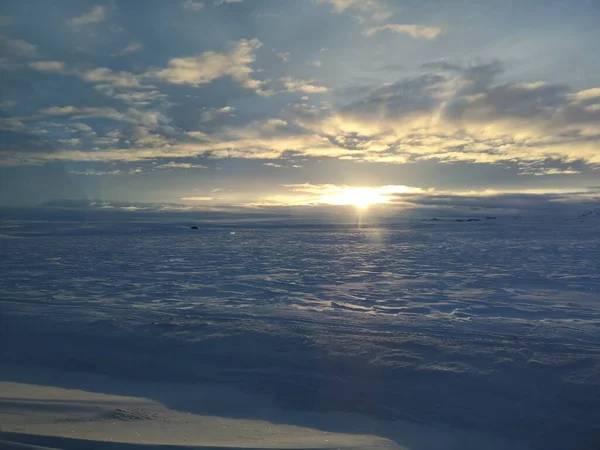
197, 199
84, 112
316, 63
284, 56
17, 47
147, 130
104, 75
275, 165
192, 71
415, 31
586, 95
176, 165
130, 48
428, 202
220, 2
209, 66
452, 113
485, 202
375, 9
190, 5
212, 114
83, 127
306, 86
341, 5
140, 98
549, 171
96, 15
48, 66
13, 124
92, 172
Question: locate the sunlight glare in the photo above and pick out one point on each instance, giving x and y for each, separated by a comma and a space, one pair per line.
360, 197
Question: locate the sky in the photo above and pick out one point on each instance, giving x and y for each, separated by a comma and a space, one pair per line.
298, 103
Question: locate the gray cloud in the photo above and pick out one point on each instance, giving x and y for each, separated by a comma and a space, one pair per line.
130, 48
16, 47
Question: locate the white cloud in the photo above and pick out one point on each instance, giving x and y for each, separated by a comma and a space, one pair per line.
85, 112
176, 165
104, 75
59, 110
140, 97
316, 63
96, 15
341, 5
463, 115
587, 94
209, 66
211, 114
190, 5
374, 8
197, 199
285, 166
415, 31
306, 86
83, 127
48, 66
220, 2
549, 171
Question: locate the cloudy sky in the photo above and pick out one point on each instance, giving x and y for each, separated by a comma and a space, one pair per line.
292, 102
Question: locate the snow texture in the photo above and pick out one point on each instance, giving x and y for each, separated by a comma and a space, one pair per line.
491, 326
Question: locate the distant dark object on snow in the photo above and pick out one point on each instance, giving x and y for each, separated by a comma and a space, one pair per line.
593, 214
468, 220
194, 227
490, 218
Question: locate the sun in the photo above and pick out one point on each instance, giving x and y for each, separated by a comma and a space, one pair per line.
359, 197
362, 198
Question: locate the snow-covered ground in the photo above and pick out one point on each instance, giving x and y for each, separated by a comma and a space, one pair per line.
422, 335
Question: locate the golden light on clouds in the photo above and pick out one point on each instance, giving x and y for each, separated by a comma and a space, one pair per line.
331, 194
360, 197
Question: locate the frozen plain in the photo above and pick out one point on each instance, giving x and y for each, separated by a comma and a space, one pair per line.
421, 335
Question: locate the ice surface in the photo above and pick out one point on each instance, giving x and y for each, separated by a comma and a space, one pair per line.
488, 326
